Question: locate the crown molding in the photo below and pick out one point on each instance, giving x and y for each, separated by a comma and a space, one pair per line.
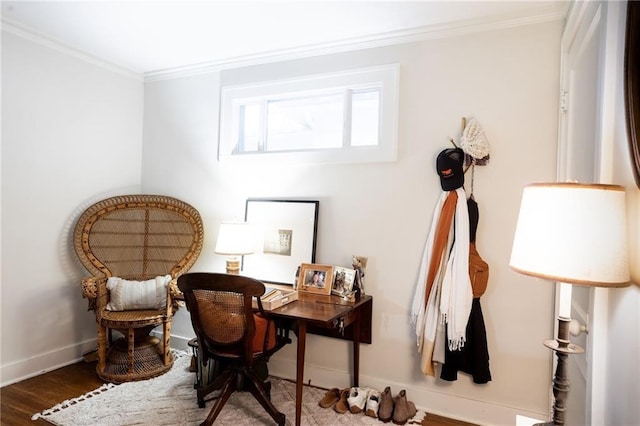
15, 28
545, 13
542, 13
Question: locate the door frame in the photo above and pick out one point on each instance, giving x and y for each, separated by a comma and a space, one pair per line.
608, 14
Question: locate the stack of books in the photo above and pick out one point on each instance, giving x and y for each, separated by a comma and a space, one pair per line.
271, 294
275, 297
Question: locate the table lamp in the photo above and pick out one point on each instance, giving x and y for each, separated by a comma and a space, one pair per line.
573, 234
235, 239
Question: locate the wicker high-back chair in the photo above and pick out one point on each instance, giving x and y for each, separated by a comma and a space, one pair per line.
135, 238
231, 332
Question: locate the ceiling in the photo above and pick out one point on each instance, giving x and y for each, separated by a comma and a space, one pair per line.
157, 36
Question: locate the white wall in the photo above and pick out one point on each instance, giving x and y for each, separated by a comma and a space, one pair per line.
509, 80
71, 134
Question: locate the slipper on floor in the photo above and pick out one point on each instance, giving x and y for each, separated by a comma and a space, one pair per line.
331, 397
342, 406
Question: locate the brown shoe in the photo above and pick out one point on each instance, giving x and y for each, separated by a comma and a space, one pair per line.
403, 410
411, 409
331, 397
385, 409
342, 406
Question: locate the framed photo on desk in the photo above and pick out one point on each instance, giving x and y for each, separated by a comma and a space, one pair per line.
287, 232
343, 279
315, 278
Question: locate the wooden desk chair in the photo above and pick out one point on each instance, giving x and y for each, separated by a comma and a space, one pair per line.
135, 238
229, 332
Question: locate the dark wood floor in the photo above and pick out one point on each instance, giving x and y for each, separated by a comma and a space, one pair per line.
22, 400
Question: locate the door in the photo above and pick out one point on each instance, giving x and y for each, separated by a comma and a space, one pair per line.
578, 159
584, 151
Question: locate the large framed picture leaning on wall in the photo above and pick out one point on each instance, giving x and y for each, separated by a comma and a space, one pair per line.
287, 232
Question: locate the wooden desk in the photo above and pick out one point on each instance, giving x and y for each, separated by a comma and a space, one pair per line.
329, 316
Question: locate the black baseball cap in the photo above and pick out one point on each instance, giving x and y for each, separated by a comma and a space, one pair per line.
450, 164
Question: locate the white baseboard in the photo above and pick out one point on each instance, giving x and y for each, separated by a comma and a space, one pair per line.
26, 368
442, 404
179, 342
448, 405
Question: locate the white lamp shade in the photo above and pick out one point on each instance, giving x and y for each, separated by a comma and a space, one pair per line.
235, 238
573, 233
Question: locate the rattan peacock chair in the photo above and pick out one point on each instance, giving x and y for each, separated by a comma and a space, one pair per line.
130, 240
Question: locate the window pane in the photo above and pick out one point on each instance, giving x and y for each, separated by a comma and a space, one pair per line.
349, 116
365, 118
249, 137
312, 122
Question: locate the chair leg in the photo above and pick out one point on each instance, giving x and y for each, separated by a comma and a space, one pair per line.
166, 344
257, 389
131, 349
102, 348
227, 389
216, 384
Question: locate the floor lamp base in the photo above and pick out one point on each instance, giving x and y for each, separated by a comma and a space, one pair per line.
563, 348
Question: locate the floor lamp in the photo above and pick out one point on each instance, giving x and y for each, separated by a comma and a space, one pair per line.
572, 234
235, 239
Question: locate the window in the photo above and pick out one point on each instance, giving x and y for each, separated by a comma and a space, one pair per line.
341, 117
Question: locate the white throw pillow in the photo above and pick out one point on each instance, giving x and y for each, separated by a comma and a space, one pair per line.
137, 295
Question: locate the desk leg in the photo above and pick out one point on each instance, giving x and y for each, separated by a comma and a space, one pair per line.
302, 341
356, 349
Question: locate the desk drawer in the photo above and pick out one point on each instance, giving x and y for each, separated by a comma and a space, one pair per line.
366, 311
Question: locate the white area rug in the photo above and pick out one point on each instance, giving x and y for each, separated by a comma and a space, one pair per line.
170, 400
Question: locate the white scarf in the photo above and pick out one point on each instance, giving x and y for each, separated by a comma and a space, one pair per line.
454, 304
418, 309
457, 294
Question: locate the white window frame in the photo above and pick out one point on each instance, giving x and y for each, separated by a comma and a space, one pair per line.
384, 76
